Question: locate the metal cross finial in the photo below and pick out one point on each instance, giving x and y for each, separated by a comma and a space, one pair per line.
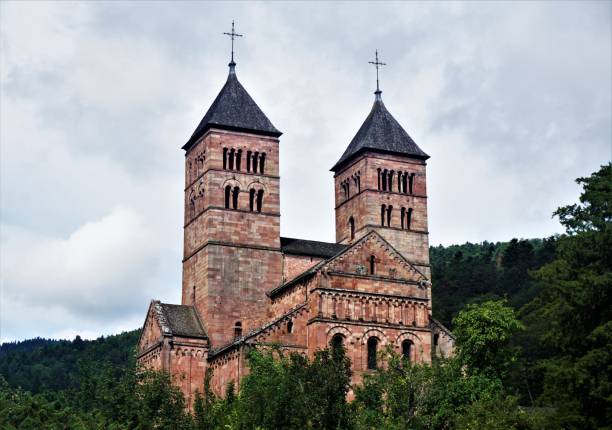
377, 64
233, 35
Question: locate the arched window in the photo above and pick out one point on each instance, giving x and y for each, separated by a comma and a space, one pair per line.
238, 159
379, 179
235, 197
404, 183
400, 175
390, 187
224, 158
403, 216
411, 183
383, 209
372, 265
384, 180
259, 200
389, 214
409, 218
248, 160
407, 350
359, 182
237, 329
372, 351
337, 341
231, 159
352, 227
228, 190
255, 158
251, 199
262, 163
290, 327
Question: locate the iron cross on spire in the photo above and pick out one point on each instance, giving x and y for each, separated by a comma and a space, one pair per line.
377, 64
233, 35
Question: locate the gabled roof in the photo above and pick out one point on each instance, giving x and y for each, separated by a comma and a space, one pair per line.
380, 132
234, 110
347, 248
178, 320
311, 248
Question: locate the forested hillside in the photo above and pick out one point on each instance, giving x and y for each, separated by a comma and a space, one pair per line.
532, 318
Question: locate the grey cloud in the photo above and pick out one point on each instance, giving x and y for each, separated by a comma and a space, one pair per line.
511, 100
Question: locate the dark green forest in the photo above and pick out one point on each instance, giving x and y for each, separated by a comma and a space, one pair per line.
532, 318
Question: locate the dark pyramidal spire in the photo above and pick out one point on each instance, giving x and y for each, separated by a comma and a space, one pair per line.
380, 132
234, 109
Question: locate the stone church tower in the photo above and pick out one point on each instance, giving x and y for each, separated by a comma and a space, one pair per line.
245, 286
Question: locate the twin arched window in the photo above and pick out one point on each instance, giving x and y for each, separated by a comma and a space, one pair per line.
255, 199
231, 195
406, 218
386, 213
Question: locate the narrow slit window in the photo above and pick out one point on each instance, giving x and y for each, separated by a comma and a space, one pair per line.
404, 183
251, 199
409, 219
352, 227
390, 187
238, 159
383, 209
403, 217
248, 160
228, 190
384, 180
411, 184
235, 197
255, 158
372, 351
260, 194
231, 159
389, 215
290, 327
379, 179
262, 163
224, 158
372, 265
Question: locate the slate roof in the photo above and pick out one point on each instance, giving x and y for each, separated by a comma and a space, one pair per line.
310, 248
181, 320
380, 132
235, 110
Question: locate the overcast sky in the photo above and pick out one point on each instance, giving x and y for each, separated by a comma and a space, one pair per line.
511, 100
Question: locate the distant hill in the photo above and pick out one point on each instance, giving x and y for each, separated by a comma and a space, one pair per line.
38, 364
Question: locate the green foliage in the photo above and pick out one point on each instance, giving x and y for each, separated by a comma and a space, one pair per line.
313, 391
483, 334
574, 310
42, 365
404, 395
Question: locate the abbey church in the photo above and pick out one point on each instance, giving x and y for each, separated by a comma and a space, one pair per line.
245, 286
